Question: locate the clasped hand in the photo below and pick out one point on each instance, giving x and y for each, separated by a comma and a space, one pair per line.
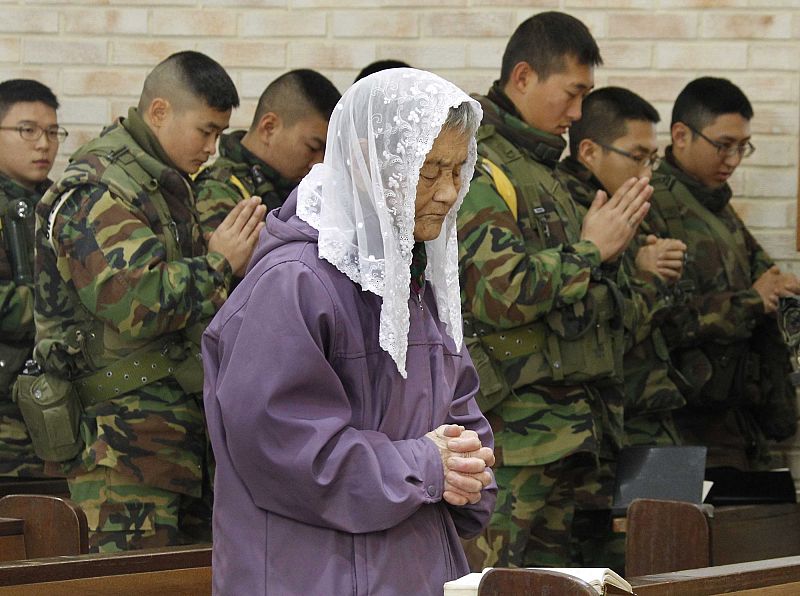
465, 461
612, 223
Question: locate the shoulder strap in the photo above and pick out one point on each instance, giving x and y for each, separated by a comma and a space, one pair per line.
535, 206
669, 203
232, 178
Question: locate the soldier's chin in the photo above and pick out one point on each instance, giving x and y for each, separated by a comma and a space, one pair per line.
192, 167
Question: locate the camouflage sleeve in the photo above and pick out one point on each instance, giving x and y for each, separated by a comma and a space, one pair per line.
119, 268
215, 200
16, 311
502, 283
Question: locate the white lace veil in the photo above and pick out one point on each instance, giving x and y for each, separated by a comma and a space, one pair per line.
361, 198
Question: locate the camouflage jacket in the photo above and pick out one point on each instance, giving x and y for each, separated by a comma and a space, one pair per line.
121, 263
512, 276
709, 337
236, 174
648, 388
16, 297
719, 275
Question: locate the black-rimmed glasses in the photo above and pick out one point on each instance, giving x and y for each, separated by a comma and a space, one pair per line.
29, 131
652, 161
743, 150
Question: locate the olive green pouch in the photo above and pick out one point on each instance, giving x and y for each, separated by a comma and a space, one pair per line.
493, 387
52, 412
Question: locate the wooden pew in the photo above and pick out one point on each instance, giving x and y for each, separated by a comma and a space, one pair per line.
156, 572
772, 577
664, 536
43, 526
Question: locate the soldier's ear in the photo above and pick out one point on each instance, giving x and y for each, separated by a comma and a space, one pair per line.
157, 112
522, 76
681, 135
588, 152
268, 126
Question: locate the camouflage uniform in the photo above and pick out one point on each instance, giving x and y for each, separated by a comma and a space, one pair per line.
650, 393
123, 281
528, 282
237, 174
17, 458
731, 357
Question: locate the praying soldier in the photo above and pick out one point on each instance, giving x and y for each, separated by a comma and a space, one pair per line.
286, 138
543, 311
615, 140
29, 139
733, 364
124, 287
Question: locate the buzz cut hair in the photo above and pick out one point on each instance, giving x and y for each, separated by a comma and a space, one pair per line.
296, 93
545, 40
705, 99
605, 113
187, 77
378, 66
14, 91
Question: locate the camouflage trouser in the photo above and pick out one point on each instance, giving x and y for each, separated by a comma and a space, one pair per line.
17, 458
123, 514
532, 521
594, 543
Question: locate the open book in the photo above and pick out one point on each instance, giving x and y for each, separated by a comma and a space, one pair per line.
602, 579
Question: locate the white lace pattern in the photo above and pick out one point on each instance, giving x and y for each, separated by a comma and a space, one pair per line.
361, 198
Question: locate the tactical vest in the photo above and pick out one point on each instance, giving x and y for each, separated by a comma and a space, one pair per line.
574, 344
120, 365
714, 375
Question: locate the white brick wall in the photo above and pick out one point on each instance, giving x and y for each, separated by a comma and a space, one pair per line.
95, 53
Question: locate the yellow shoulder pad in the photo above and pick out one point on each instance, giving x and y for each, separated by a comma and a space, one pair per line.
233, 179
503, 185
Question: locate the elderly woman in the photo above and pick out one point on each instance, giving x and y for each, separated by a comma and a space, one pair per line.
351, 454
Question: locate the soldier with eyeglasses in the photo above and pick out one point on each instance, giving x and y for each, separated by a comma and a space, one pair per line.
613, 143
732, 364
29, 139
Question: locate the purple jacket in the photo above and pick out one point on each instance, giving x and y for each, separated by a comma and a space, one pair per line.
324, 482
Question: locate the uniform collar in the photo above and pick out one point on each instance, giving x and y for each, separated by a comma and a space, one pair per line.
584, 185
499, 111
144, 137
231, 148
712, 199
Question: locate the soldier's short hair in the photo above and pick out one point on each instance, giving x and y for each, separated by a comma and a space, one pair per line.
293, 94
378, 66
545, 40
604, 115
15, 91
705, 99
190, 75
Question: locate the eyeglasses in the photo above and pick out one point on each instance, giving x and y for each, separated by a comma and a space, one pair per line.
33, 132
746, 149
651, 161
